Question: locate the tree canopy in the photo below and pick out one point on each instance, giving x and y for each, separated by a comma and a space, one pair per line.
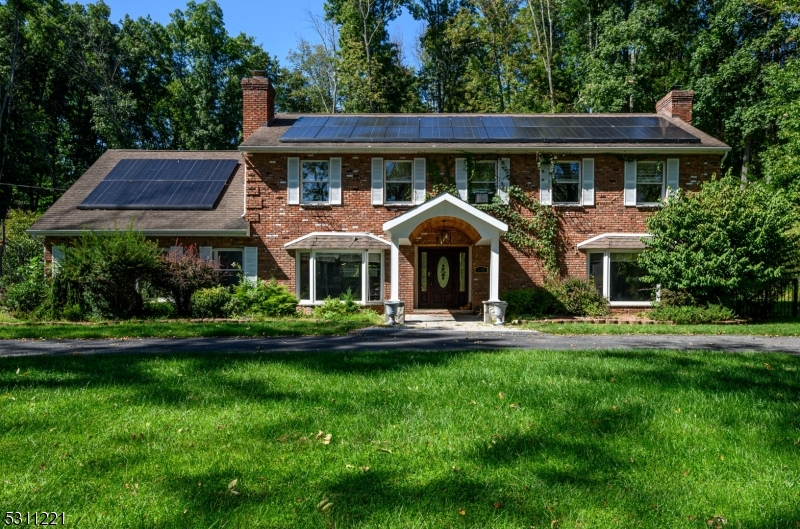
74, 83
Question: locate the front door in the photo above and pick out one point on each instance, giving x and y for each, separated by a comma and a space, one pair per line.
443, 280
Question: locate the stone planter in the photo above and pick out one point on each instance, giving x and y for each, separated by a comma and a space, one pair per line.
395, 312
494, 312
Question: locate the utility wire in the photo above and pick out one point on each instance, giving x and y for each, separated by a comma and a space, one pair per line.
34, 187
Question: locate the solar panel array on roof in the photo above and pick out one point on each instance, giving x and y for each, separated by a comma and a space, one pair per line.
486, 129
161, 184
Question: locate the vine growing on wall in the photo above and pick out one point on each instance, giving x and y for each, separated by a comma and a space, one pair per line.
535, 231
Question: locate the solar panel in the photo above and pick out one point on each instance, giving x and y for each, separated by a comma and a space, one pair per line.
161, 184
547, 128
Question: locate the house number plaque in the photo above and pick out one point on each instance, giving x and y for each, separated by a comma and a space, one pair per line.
443, 272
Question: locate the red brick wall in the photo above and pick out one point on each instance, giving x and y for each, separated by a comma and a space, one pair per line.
678, 104
276, 223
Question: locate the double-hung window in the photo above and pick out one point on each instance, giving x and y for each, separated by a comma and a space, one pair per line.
230, 264
617, 277
399, 182
315, 179
331, 273
483, 184
649, 183
567, 182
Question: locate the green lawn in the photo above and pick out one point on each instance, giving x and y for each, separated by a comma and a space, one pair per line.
497, 439
753, 329
174, 329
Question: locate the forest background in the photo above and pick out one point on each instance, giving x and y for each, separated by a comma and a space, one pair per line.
73, 83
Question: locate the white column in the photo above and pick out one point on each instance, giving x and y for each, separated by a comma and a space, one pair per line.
494, 271
395, 272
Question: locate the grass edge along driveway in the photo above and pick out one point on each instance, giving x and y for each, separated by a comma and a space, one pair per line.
496, 439
181, 329
750, 329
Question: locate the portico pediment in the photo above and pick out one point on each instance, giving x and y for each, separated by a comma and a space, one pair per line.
446, 205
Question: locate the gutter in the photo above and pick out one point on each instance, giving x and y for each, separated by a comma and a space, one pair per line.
484, 148
151, 233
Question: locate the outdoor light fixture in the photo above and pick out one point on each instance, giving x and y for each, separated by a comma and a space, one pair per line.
443, 236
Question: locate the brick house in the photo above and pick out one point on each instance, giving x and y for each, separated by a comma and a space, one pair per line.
330, 203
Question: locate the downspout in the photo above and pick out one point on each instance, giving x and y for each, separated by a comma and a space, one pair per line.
724, 157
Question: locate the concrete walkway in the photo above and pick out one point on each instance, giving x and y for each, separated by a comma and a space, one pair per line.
406, 338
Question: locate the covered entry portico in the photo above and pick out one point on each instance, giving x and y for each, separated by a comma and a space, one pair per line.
443, 263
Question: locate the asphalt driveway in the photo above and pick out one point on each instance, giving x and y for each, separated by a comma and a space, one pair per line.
405, 339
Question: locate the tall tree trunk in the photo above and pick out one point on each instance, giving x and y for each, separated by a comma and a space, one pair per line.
748, 147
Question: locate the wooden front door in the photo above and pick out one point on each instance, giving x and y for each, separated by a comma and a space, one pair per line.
443, 278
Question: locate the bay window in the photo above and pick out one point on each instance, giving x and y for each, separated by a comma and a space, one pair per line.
617, 277
331, 273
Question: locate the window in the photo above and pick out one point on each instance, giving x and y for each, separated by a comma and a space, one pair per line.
649, 182
315, 182
617, 276
567, 183
399, 182
483, 184
230, 265
331, 273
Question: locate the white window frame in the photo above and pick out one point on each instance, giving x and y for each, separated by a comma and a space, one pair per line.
215, 258
553, 182
496, 164
663, 183
607, 276
302, 182
386, 181
312, 266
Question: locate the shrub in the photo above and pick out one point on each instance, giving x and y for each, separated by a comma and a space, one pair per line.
21, 247
159, 310
102, 272
691, 315
727, 242
27, 297
211, 302
333, 308
536, 302
181, 273
579, 297
263, 298
559, 297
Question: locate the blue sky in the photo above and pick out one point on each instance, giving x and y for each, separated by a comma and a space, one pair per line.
275, 24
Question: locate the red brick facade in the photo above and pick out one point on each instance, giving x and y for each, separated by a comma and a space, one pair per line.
275, 222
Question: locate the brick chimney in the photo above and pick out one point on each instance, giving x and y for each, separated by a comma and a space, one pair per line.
258, 102
677, 104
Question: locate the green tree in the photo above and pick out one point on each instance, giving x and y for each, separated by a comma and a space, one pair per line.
372, 76
726, 242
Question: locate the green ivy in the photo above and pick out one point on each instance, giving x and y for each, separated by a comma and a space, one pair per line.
535, 231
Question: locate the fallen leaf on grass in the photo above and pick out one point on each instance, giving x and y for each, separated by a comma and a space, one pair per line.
716, 522
462, 512
384, 450
685, 472
324, 505
497, 505
18, 371
363, 469
327, 439
501, 395
769, 367
232, 486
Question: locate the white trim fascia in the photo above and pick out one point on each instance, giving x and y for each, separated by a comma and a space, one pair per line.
496, 148
612, 234
445, 197
339, 234
152, 233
